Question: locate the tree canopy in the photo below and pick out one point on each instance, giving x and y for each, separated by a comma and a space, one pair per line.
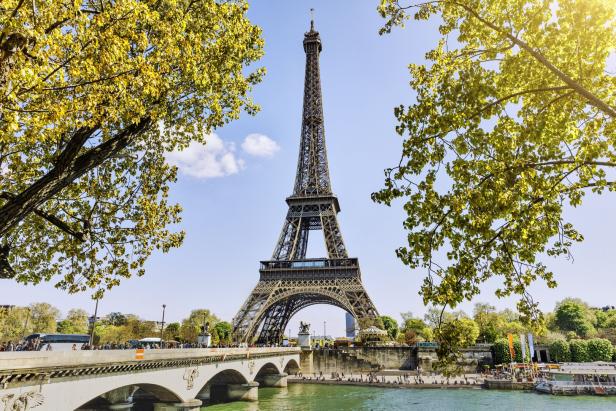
76, 322
391, 326
92, 95
571, 315
512, 122
191, 326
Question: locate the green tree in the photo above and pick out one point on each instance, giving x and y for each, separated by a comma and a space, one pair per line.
172, 331
513, 120
391, 326
560, 351
134, 328
43, 317
76, 322
138, 328
501, 351
215, 338
608, 333
224, 332
116, 318
573, 316
470, 329
452, 336
92, 95
435, 316
579, 350
14, 323
191, 326
487, 320
416, 329
107, 333
600, 349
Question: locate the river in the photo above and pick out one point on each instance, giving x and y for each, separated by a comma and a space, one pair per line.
313, 397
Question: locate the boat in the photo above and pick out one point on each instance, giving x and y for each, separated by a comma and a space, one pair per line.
589, 378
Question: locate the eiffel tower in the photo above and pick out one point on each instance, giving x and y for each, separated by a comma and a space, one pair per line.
289, 281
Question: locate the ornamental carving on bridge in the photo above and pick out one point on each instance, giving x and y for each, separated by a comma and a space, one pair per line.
23, 402
251, 367
189, 376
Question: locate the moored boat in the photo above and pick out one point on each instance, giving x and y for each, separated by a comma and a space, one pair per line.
591, 378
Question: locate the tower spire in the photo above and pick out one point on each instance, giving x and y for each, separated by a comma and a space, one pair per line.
311, 19
312, 178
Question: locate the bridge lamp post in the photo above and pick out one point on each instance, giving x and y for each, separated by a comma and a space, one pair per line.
162, 326
93, 324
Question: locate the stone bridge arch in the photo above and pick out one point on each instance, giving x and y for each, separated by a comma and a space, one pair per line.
123, 396
272, 374
291, 367
217, 388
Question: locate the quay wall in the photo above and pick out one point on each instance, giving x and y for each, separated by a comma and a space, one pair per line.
365, 359
508, 385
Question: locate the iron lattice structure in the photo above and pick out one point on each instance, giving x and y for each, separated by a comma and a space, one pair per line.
289, 281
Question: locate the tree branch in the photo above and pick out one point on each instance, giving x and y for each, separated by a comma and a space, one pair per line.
587, 94
592, 99
519, 93
50, 218
68, 168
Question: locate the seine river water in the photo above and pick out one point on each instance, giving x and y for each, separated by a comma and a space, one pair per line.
312, 397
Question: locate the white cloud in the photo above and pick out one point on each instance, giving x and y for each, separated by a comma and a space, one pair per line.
216, 158
259, 145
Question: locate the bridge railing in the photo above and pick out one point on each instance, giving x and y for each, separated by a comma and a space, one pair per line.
17, 360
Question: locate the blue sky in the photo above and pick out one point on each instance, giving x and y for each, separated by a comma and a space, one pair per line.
233, 220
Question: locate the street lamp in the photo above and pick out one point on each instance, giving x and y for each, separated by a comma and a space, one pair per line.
162, 326
324, 331
93, 324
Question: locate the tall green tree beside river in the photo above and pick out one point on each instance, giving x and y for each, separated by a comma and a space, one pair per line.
513, 120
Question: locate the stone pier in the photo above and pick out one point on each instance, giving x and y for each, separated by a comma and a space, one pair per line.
243, 392
274, 380
306, 361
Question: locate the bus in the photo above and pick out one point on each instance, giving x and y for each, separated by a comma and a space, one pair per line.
60, 342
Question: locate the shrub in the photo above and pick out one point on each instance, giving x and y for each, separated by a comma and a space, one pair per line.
560, 351
600, 349
579, 350
501, 351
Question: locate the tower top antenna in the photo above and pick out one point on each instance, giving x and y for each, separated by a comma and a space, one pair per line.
311, 19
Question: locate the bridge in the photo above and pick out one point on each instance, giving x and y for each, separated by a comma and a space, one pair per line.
172, 379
